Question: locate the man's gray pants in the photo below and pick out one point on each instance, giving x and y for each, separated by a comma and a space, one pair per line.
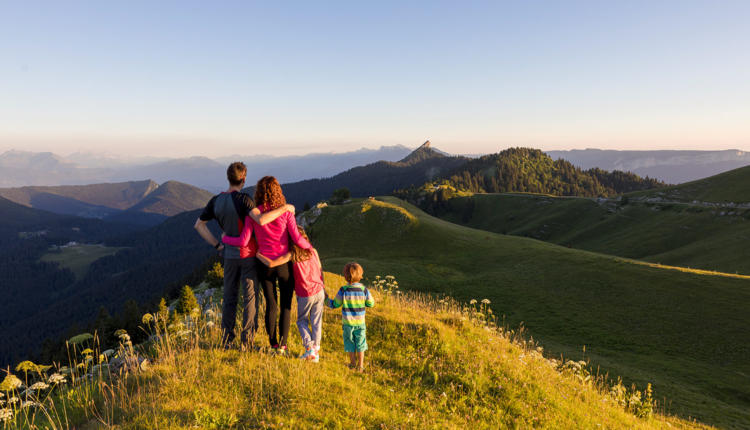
240, 275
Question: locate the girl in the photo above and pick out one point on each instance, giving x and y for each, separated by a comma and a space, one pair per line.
273, 242
310, 290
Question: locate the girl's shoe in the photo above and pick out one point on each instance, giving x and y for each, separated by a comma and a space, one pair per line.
315, 358
307, 355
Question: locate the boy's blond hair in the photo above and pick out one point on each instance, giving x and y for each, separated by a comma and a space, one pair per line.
353, 272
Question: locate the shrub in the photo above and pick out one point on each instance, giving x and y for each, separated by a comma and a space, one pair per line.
187, 302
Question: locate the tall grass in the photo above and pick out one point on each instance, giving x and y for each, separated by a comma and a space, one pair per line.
434, 363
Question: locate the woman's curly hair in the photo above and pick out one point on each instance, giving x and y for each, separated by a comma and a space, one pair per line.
268, 192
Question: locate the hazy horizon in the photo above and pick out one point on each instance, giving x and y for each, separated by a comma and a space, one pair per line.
170, 79
313, 151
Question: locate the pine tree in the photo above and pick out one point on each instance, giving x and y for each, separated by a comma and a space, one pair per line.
187, 302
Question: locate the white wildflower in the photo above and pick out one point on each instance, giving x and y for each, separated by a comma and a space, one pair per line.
56, 378
486, 301
39, 386
29, 404
13, 400
6, 415
210, 324
473, 302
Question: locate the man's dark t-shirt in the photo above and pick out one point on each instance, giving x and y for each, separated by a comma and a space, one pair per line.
230, 211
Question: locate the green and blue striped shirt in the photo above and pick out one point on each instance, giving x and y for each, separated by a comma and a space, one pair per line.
352, 299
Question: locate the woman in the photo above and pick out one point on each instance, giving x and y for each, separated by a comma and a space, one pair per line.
273, 242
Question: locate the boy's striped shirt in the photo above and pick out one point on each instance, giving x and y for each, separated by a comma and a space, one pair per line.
352, 299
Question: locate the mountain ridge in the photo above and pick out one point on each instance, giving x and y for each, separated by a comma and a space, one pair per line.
120, 200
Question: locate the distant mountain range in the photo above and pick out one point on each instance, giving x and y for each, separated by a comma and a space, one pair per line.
511, 170
138, 202
22, 168
383, 177
672, 167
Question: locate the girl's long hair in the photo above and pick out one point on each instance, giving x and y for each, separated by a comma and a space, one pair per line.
268, 192
301, 254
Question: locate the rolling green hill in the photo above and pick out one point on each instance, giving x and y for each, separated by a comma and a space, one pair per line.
732, 186
678, 234
684, 332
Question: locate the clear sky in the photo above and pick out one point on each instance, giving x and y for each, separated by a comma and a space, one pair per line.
214, 78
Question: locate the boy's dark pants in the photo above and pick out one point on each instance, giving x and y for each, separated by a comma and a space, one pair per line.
240, 273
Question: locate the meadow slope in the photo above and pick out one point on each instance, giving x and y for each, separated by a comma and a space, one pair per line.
430, 366
685, 333
679, 234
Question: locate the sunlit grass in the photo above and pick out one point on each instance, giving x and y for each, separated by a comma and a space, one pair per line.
433, 363
686, 269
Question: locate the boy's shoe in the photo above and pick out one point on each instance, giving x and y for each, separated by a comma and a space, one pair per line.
307, 355
315, 358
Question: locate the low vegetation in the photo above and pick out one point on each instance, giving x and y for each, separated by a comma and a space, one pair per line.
432, 363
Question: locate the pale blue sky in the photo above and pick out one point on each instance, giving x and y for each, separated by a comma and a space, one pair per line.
213, 78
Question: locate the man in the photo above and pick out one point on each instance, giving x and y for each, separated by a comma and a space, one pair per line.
230, 210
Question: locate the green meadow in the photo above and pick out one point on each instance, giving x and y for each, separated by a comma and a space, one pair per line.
678, 234
731, 186
78, 258
684, 332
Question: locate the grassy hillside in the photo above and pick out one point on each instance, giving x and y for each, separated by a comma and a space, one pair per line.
429, 365
668, 233
731, 186
684, 332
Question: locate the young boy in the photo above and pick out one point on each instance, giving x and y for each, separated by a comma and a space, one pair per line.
353, 298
